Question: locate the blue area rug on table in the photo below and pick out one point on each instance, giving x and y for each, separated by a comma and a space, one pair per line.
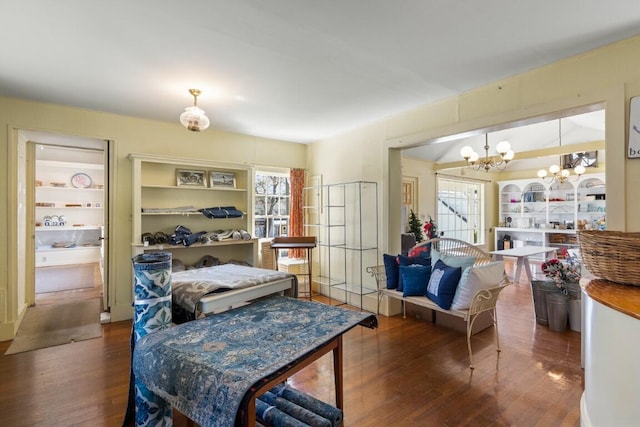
205, 367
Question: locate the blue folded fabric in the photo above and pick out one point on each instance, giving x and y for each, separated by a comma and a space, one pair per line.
232, 212
190, 239
176, 239
325, 410
296, 411
221, 212
181, 229
273, 416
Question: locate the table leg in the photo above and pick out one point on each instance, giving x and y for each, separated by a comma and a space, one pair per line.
246, 411
519, 265
337, 373
309, 264
527, 268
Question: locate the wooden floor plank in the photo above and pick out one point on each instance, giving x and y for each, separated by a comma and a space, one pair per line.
405, 373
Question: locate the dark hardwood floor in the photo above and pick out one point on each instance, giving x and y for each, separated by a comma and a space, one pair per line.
405, 373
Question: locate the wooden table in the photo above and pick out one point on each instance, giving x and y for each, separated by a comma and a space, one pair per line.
304, 242
522, 254
213, 369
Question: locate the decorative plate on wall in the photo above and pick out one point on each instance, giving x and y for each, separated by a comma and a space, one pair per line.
81, 180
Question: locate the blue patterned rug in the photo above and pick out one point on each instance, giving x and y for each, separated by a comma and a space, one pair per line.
204, 368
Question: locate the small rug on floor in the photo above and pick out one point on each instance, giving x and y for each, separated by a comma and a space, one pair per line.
56, 324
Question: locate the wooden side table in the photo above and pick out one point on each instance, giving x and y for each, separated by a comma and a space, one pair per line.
305, 242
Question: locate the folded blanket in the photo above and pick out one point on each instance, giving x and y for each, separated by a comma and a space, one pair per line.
221, 212
190, 285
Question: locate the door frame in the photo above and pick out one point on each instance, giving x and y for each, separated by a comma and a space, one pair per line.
30, 169
409, 198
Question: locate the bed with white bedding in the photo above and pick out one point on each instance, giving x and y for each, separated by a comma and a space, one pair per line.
214, 289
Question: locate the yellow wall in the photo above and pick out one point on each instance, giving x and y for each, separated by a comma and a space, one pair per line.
423, 171
129, 135
608, 75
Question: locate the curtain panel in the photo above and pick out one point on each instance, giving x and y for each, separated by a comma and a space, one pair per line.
296, 219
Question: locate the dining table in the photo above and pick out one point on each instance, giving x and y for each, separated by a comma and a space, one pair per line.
522, 255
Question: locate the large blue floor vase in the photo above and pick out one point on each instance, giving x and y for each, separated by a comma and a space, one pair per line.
152, 312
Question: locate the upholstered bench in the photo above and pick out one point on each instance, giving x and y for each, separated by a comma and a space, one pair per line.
476, 293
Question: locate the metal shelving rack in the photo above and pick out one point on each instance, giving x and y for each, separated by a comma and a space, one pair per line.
344, 219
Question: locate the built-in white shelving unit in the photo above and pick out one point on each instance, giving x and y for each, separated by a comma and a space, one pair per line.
160, 204
535, 212
69, 213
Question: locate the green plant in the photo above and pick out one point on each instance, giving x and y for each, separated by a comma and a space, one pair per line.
415, 226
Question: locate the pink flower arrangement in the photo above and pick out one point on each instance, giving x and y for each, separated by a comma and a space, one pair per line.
561, 272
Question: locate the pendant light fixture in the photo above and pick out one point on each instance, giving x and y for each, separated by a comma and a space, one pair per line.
194, 118
500, 163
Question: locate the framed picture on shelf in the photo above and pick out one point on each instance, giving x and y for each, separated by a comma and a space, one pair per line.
191, 178
222, 179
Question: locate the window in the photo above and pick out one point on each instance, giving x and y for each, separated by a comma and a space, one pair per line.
460, 209
271, 210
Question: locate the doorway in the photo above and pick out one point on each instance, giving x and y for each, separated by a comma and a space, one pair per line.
67, 207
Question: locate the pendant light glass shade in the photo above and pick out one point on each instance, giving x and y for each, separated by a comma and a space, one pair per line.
194, 118
505, 155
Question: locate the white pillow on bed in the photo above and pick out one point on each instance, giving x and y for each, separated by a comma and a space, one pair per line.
474, 279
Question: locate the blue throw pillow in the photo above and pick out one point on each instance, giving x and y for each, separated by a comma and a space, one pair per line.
415, 278
405, 260
442, 284
391, 270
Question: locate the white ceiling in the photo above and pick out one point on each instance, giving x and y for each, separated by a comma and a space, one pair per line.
297, 70
563, 131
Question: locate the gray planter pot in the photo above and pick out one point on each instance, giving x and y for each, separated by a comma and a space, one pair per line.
540, 290
575, 314
573, 290
557, 307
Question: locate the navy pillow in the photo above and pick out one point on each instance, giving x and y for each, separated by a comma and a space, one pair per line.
391, 270
443, 283
415, 278
406, 260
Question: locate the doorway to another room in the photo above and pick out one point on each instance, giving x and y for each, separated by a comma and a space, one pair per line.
69, 217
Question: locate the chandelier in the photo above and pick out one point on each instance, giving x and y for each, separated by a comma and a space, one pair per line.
560, 175
505, 155
194, 118
557, 174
